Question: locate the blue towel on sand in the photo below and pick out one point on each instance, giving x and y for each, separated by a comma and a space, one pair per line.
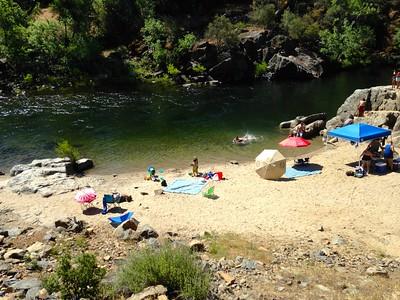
185, 186
294, 172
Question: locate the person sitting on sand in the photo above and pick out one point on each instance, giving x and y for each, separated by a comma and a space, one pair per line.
374, 147
388, 151
195, 166
366, 158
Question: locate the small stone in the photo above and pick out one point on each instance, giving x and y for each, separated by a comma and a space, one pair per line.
234, 162
15, 253
130, 224
146, 232
226, 277
43, 294
280, 288
107, 258
321, 228
162, 297
249, 264
338, 240
322, 288
377, 271
2, 239
197, 246
303, 284
149, 293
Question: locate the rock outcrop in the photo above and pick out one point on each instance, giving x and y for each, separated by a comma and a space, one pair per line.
46, 176
382, 109
303, 65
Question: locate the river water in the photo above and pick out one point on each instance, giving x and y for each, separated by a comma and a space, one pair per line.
129, 130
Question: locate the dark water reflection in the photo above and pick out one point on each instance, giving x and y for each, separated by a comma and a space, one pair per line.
128, 130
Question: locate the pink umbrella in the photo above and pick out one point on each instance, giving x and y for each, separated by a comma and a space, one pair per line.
295, 142
85, 196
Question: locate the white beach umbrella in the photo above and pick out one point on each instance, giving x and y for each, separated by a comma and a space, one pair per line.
270, 164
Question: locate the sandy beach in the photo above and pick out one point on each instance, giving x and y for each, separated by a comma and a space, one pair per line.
364, 209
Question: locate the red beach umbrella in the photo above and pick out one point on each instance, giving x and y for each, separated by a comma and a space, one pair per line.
294, 142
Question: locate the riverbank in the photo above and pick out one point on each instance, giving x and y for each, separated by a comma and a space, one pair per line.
365, 209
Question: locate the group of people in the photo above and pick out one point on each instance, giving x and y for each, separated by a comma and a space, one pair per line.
376, 149
298, 130
396, 79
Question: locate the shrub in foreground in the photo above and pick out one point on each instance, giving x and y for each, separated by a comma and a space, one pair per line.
174, 268
76, 279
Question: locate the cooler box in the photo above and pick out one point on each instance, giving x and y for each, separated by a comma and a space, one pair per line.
396, 164
380, 167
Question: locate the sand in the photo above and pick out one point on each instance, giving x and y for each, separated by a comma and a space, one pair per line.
363, 209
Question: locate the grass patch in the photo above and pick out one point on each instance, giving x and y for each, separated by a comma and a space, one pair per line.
175, 268
261, 68
230, 245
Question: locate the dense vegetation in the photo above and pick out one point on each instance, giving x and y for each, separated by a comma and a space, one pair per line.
62, 42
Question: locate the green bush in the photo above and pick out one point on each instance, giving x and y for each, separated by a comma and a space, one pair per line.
349, 44
261, 68
300, 28
262, 14
186, 43
176, 269
199, 68
76, 279
223, 31
65, 149
172, 70
396, 39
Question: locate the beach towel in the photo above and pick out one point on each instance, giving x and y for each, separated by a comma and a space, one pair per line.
294, 172
186, 186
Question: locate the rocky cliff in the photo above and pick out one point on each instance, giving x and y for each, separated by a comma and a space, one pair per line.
383, 109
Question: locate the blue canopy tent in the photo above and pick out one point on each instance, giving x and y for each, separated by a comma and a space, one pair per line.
359, 132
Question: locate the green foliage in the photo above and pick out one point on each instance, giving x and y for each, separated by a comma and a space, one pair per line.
172, 70
155, 36
199, 68
396, 39
349, 45
28, 78
176, 269
186, 43
147, 8
300, 28
262, 14
51, 283
12, 29
45, 40
76, 279
65, 149
261, 68
223, 31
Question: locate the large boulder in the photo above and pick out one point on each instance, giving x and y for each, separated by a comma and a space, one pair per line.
314, 128
304, 65
278, 44
253, 40
380, 98
205, 54
236, 68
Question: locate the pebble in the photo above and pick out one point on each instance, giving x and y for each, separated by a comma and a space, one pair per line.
373, 271
229, 279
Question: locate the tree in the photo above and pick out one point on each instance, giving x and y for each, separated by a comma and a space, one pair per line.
223, 31
300, 28
12, 29
349, 44
262, 13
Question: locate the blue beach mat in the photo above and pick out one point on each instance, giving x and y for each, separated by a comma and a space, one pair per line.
185, 186
294, 172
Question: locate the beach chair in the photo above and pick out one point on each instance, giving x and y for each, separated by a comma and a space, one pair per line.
210, 193
113, 199
115, 221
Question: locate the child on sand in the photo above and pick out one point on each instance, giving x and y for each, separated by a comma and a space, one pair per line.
195, 166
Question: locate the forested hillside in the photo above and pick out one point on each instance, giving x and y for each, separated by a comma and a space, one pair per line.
56, 43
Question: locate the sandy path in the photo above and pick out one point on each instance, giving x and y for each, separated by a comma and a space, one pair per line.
365, 209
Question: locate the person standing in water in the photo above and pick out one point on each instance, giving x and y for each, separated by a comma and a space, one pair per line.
195, 167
